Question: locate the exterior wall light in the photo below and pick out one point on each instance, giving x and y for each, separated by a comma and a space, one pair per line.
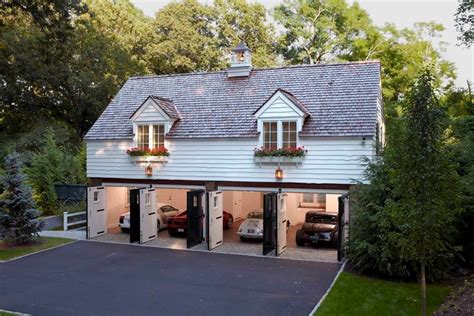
149, 170
279, 173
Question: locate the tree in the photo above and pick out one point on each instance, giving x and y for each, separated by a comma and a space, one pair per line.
464, 21
184, 39
238, 20
320, 30
403, 222
74, 77
52, 165
425, 184
19, 222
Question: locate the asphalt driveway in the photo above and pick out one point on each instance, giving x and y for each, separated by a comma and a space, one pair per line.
90, 278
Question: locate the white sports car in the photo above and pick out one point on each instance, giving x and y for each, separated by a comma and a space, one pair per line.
252, 227
165, 211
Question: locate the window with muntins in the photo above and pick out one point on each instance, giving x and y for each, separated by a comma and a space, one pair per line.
158, 136
143, 137
270, 135
150, 136
289, 134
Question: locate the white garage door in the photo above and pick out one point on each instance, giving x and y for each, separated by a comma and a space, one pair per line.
96, 212
216, 219
148, 215
282, 220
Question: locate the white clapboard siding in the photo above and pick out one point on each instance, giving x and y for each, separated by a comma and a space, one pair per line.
150, 114
279, 109
329, 160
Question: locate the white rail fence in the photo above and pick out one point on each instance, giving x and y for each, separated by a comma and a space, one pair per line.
78, 220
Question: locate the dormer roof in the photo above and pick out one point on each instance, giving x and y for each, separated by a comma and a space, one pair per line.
163, 105
292, 101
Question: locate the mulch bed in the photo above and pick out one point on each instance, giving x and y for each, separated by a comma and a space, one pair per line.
460, 301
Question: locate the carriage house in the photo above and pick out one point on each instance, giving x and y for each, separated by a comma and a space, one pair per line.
216, 146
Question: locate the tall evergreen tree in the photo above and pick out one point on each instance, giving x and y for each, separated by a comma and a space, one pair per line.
19, 222
425, 184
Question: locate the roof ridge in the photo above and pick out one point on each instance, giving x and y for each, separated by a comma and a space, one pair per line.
330, 64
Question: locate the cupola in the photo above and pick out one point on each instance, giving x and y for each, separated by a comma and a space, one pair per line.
241, 62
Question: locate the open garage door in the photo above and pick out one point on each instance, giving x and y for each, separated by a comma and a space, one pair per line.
343, 216
270, 201
96, 212
215, 219
148, 215
143, 215
195, 214
282, 224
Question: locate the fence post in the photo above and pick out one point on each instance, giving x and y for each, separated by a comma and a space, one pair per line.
65, 220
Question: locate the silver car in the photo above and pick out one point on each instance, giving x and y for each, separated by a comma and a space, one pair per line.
165, 211
252, 227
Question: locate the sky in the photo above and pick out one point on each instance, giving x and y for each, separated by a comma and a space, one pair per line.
402, 13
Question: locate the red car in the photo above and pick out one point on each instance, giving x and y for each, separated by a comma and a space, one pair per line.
178, 224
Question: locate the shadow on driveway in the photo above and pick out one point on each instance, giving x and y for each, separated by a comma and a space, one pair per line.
91, 278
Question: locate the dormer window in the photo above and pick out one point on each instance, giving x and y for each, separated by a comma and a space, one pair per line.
279, 134
150, 136
279, 120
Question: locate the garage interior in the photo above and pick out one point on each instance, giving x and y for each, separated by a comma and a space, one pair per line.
238, 203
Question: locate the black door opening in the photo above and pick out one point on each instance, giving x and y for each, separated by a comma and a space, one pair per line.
270, 201
195, 215
135, 215
340, 223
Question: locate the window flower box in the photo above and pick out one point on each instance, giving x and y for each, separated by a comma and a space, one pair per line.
158, 155
280, 156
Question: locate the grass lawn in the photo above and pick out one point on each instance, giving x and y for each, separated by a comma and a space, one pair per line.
7, 253
7, 314
358, 295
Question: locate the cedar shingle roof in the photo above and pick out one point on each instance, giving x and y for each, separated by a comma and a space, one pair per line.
167, 106
342, 99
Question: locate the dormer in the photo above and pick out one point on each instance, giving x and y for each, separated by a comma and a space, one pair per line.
152, 121
279, 121
241, 62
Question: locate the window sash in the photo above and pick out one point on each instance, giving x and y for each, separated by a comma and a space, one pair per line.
158, 136
143, 141
270, 135
289, 135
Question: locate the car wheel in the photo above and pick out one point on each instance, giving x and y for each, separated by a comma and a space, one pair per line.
242, 239
158, 225
300, 238
124, 230
230, 222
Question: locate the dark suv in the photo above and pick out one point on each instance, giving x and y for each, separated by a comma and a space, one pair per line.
318, 227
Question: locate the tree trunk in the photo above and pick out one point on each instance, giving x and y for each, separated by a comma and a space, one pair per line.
423, 290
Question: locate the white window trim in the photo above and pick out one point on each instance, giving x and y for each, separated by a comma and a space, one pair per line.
279, 122
150, 132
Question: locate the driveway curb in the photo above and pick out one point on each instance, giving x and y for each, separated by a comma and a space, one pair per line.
329, 290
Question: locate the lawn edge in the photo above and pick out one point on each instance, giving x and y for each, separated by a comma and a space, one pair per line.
341, 269
14, 313
39, 251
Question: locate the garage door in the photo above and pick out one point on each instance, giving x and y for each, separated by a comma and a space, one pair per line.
282, 224
270, 201
148, 215
96, 212
215, 219
195, 215
143, 215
